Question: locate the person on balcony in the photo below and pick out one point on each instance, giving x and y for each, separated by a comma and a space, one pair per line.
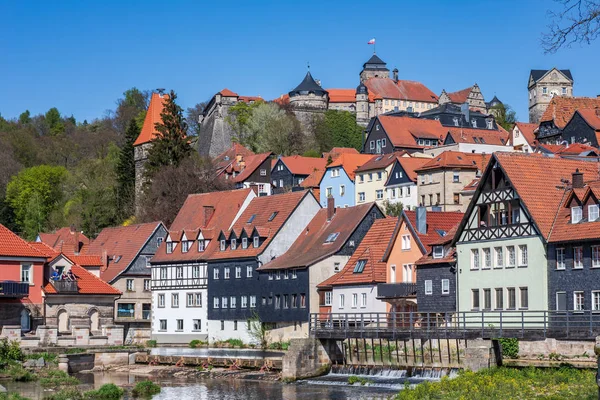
71, 276
55, 276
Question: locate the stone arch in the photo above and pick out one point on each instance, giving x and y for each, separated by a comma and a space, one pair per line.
25, 320
94, 315
63, 320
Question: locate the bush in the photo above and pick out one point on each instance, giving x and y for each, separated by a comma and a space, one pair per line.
12, 396
145, 389
66, 394
510, 347
20, 374
279, 345
357, 379
108, 391
151, 343
9, 352
235, 342
49, 358
56, 378
196, 343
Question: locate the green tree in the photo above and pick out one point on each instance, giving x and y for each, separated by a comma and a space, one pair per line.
272, 129
505, 116
393, 209
54, 121
33, 194
126, 172
132, 105
337, 129
238, 118
171, 145
25, 117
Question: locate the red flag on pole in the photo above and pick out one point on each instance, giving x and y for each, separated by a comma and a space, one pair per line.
372, 41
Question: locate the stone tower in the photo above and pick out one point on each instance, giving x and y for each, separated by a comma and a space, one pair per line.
374, 68
215, 132
545, 84
362, 105
308, 99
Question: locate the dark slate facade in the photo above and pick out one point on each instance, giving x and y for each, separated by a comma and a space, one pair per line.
256, 175
140, 264
436, 302
577, 130
451, 115
375, 132
281, 174
398, 176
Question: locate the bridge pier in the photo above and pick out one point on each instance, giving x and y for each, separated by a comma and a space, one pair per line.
482, 354
310, 357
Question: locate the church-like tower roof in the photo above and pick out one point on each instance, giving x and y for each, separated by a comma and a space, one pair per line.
308, 85
375, 63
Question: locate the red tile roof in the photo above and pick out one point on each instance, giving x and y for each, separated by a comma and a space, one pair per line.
121, 241
299, 165
251, 165
229, 156
350, 162
428, 259
561, 109
386, 88
313, 180
227, 93
379, 161
456, 159
592, 117
87, 283
12, 245
250, 99
191, 218
371, 249
46, 250
87, 260
403, 131
148, 132
527, 130
310, 247
460, 96
436, 221
565, 231
262, 208
574, 149
342, 95
469, 135
337, 151
472, 185
66, 240
410, 165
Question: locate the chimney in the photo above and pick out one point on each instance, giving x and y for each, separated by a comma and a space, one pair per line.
464, 109
104, 260
208, 213
422, 220
330, 208
577, 179
395, 74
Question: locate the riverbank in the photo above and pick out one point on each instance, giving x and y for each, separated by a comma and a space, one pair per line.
188, 373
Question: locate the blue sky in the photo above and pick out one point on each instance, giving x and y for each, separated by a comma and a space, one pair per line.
80, 56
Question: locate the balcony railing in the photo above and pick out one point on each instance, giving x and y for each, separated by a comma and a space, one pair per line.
396, 290
14, 289
65, 286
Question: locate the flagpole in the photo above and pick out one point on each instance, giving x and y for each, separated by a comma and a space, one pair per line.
374, 44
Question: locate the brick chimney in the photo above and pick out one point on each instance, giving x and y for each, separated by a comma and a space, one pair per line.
104, 260
577, 179
208, 213
330, 208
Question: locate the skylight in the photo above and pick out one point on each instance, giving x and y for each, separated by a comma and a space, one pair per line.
117, 259
378, 158
251, 218
272, 217
481, 140
331, 237
459, 157
360, 266
442, 233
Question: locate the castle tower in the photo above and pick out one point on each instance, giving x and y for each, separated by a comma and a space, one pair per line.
545, 84
307, 99
374, 68
362, 105
143, 142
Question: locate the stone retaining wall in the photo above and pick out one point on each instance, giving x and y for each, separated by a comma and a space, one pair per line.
47, 335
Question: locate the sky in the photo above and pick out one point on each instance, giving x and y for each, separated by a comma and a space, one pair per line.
80, 56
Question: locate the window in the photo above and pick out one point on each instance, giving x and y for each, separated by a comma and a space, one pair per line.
487, 258
593, 212
328, 298
223, 302
190, 300
223, 244
595, 256
175, 300
490, 124
372, 143
361, 196
281, 183
383, 142
564, 90
524, 295
215, 302
422, 179
576, 214
596, 300
474, 123
370, 177
499, 299
244, 243
286, 301
294, 274
170, 247
161, 300
544, 90
336, 267
235, 325
438, 251
360, 266
577, 257
331, 237
216, 273
379, 175
226, 272
455, 177
354, 300
560, 258
342, 190
363, 299
26, 273
578, 301
186, 245
361, 178
179, 272
252, 301
456, 198
335, 172
499, 257
475, 259
147, 283
278, 275
512, 298
428, 287
487, 299
561, 301
233, 244
263, 172
405, 242
129, 285
286, 274
197, 325
163, 325
475, 299
512, 259
249, 271
272, 217
201, 246
302, 300
445, 286
277, 302
232, 301
179, 324
163, 273
270, 275
255, 241
222, 325
379, 194
238, 272
522, 255
243, 301
455, 120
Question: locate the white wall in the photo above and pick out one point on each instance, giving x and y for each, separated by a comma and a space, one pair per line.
469, 148
408, 201
319, 272
172, 314
373, 304
215, 332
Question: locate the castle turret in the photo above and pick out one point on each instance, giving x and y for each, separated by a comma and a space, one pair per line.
362, 104
374, 68
307, 99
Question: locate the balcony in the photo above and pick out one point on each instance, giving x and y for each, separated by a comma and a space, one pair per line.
64, 286
14, 289
396, 290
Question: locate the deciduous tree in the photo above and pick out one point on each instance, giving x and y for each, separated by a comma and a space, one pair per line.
337, 129
577, 21
505, 116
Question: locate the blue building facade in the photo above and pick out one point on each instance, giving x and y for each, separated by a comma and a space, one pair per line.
337, 184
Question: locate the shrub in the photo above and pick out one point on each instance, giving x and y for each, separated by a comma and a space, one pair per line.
194, 343
56, 378
235, 342
279, 345
9, 352
510, 347
145, 388
151, 343
108, 391
357, 379
12, 396
49, 358
66, 394
20, 374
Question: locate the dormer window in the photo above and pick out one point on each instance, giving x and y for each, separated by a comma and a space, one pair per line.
474, 123
438, 251
233, 244
244, 243
490, 124
255, 241
201, 246
186, 245
223, 244
593, 212
455, 120
576, 214
170, 247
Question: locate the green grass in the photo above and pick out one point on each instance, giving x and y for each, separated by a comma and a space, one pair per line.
108, 391
151, 343
20, 374
56, 378
357, 379
12, 396
75, 350
49, 358
509, 383
145, 388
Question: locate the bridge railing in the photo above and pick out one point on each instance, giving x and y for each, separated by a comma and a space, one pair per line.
510, 323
